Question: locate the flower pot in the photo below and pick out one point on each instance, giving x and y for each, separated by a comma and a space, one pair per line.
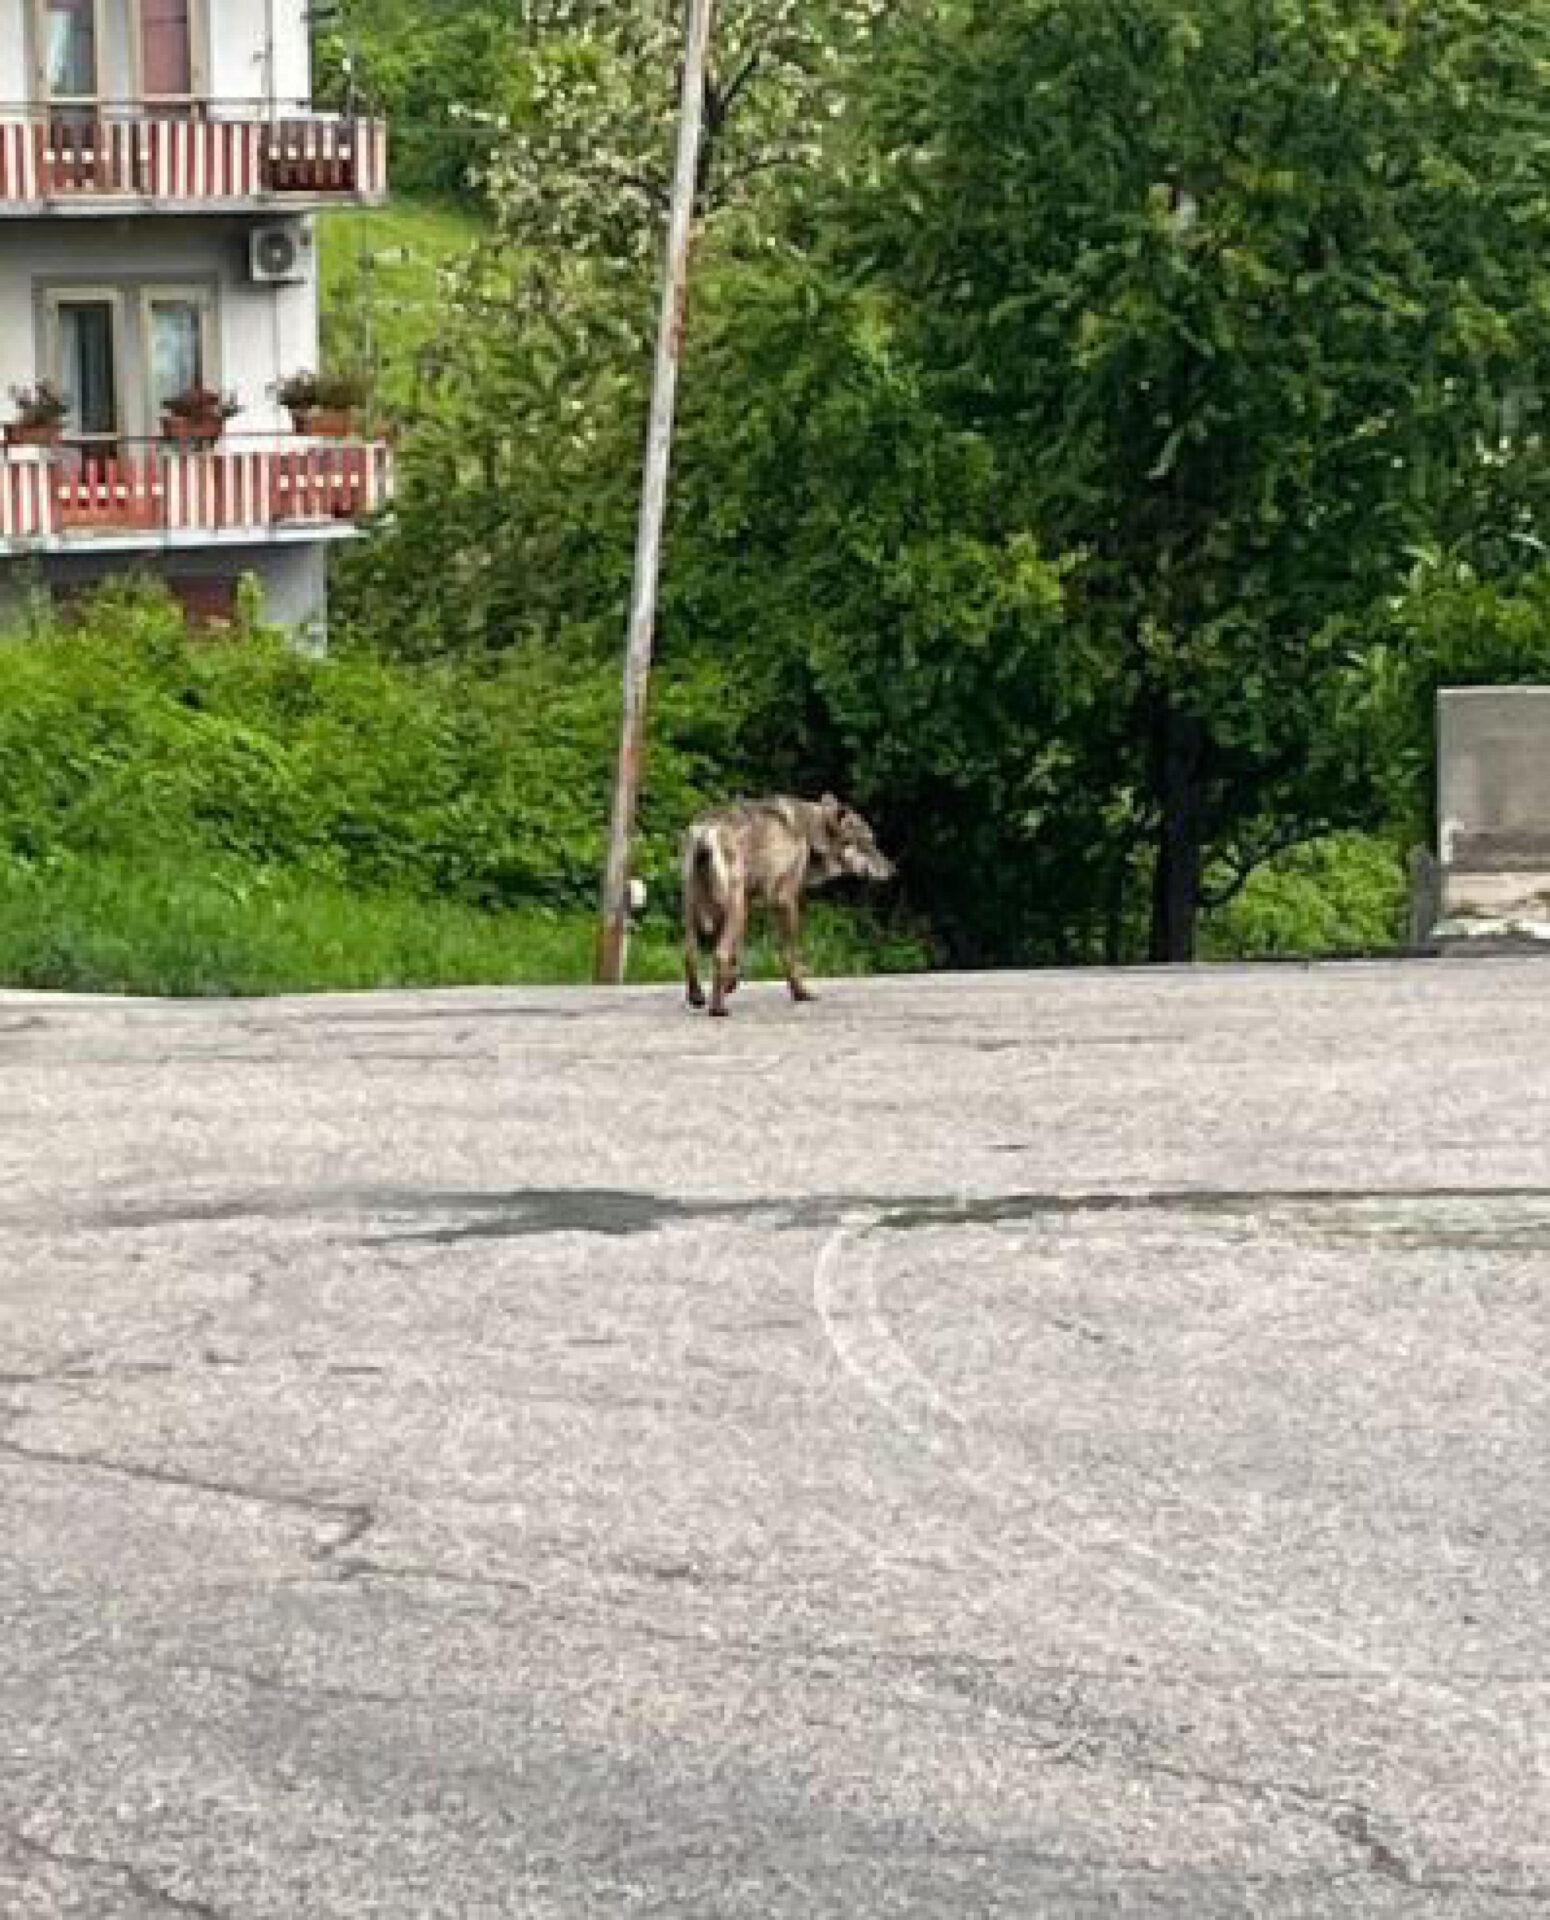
192, 431
325, 423
34, 433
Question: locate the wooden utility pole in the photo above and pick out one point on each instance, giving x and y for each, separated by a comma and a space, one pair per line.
653, 505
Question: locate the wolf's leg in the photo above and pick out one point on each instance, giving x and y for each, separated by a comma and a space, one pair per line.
694, 993
788, 919
728, 942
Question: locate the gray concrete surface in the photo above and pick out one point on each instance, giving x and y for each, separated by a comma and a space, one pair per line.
1493, 817
1068, 1445
1493, 778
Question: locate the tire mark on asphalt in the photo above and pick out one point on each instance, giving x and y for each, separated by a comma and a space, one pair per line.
352, 1518
845, 1297
142, 1887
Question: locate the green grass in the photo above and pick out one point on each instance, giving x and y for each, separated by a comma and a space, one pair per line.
110, 926
383, 296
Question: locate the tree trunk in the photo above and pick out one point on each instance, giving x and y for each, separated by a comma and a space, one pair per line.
1179, 761
1114, 910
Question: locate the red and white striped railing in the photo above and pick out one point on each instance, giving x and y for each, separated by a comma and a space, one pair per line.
88, 160
182, 491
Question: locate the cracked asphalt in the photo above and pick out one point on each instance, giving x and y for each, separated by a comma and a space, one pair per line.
1017, 1445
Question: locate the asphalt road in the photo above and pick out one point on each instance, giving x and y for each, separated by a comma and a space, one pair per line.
1028, 1445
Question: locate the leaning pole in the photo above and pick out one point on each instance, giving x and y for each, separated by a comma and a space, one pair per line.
614, 922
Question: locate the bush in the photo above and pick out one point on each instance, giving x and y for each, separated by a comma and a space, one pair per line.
188, 817
122, 738
1347, 894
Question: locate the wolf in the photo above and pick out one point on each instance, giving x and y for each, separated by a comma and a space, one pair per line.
766, 851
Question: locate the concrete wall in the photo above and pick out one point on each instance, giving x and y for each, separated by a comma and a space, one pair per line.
262, 333
294, 579
254, 51
1493, 779
238, 38
240, 42
14, 83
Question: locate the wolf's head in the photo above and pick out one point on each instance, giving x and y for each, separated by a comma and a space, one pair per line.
849, 845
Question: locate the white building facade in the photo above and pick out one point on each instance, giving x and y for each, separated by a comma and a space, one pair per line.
161, 165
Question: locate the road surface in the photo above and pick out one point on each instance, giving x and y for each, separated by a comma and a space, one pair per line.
1019, 1445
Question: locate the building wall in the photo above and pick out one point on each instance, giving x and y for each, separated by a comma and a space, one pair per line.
262, 333
254, 51
240, 34
14, 85
293, 579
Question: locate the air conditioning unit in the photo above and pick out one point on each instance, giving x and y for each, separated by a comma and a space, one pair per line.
279, 256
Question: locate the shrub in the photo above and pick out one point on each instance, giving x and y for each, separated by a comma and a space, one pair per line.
120, 736
1347, 894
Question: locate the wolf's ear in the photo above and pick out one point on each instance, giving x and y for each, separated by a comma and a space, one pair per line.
831, 807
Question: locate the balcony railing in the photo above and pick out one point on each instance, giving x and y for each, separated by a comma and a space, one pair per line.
216, 153
156, 493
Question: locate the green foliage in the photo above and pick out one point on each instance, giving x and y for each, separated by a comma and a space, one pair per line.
438, 72
1451, 628
583, 164
517, 491
155, 925
120, 737
1346, 895
188, 817
1238, 293
386, 277
1057, 441
899, 635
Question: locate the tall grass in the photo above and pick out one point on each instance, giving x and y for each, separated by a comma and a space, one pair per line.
383, 290
188, 817
110, 925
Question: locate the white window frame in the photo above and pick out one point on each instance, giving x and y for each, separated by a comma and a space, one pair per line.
131, 305
38, 14
80, 296
198, 58
200, 294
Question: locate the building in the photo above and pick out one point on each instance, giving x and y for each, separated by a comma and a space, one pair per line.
161, 165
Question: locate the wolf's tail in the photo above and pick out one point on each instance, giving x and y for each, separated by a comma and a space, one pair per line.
704, 885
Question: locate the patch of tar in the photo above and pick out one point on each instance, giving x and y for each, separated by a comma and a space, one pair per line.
1511, 1219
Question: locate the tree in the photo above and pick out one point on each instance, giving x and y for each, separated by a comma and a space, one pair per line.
516, 498
438, 69
1054, 450
888, 628
1247, 299
585, 160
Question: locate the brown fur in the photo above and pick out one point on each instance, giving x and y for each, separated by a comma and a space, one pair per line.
767, 852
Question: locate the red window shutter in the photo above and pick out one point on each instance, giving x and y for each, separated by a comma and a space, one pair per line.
166, 48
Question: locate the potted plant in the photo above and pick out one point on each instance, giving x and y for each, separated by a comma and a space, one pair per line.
323, 404
40, 416
197, 414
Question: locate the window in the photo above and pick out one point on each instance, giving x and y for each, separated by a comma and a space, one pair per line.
120, 355
86, 366
207, 602
166, 49
69, 30
175, 336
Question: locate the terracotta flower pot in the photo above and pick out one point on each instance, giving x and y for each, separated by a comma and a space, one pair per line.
325, 423
34, 433
192, 430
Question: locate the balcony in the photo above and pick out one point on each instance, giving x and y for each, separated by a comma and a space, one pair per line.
208, 157
155, 495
